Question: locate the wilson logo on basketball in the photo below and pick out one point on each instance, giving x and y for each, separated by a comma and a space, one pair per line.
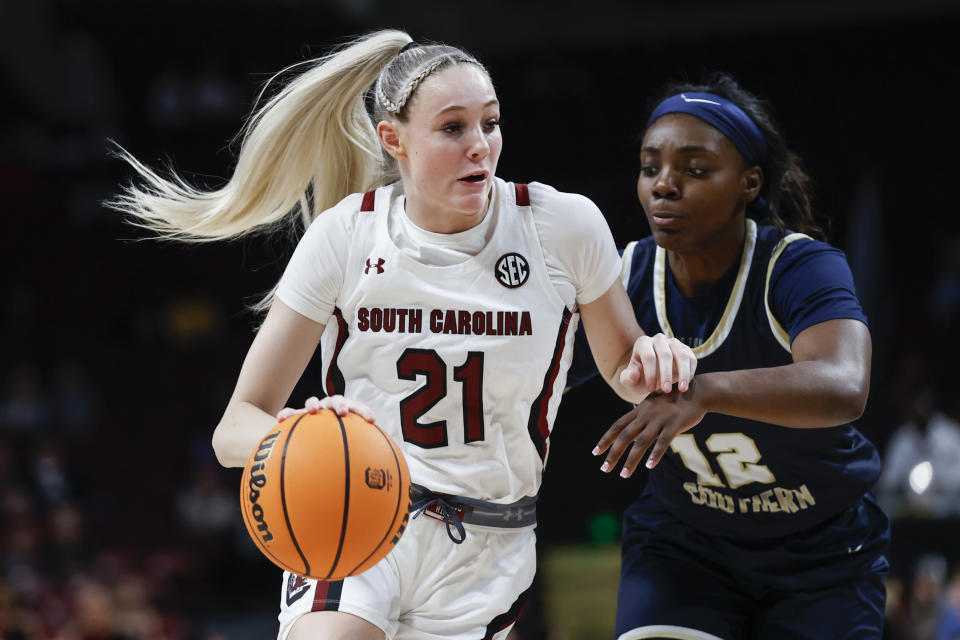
258, 481
512, 270
308, 479
378, 265
378, 478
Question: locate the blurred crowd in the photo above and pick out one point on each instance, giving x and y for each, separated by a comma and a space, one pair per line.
69, 569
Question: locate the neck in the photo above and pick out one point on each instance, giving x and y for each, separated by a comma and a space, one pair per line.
433, 217
696, 270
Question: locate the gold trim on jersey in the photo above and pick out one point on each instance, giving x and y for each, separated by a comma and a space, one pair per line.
778, 331
667, 631
626, 261
723, 327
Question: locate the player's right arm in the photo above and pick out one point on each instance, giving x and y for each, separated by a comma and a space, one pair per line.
288, 338
277, 358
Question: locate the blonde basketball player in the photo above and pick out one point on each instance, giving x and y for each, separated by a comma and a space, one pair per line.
446, 302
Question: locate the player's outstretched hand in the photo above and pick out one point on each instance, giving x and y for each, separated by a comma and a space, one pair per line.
654, 422
659, 362
339, 404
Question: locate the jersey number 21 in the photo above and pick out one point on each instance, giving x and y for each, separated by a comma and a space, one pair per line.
427, 363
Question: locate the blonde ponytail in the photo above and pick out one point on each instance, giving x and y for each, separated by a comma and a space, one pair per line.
309, 146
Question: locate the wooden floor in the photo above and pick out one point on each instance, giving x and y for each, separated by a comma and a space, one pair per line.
580, 590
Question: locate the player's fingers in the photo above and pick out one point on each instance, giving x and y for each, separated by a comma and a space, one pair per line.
625, 439
611, 434
645, 358
362, 410
661, 345
285, 413
631, 375
640, 446
314, 404
660, 445
685, 362
339, 404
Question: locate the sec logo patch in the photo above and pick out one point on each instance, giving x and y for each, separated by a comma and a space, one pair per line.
512, 270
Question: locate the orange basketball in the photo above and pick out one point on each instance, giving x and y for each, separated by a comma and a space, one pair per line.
325, 496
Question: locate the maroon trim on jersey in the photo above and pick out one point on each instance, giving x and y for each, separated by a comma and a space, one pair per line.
523, 195
513, 614
367, 204
327, 595
538, 426
334, 380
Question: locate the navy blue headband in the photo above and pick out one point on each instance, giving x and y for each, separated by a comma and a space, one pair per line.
725, 116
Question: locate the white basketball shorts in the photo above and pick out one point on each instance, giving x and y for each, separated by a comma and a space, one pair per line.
427, 587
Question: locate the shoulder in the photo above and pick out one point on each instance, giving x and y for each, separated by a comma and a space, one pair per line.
352, 211
640, 250
638, 253
637, 258
789, 250
560, 217
342, 214
549, 201
356, 206
565, 217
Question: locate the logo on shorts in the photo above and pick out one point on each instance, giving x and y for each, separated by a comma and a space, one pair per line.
378, 265
378, 478
512, 270
511, 514
296, 587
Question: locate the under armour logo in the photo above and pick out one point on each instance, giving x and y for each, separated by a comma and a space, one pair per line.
378, 266
513, 514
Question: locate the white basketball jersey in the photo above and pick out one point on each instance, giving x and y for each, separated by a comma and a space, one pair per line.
463, 365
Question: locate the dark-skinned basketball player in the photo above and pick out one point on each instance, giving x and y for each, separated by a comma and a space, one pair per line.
756, 521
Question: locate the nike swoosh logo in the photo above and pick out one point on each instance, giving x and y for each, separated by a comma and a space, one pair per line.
686, 99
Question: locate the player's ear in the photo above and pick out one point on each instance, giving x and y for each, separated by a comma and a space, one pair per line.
751, 181
389, 133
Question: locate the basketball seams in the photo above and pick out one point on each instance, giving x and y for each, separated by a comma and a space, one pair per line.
283, 496
280, 563
346, 493
393, 522
290, 494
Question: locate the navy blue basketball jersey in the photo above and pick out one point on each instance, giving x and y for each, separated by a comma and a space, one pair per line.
730, 476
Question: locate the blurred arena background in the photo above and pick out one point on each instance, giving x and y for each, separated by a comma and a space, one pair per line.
118, 354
